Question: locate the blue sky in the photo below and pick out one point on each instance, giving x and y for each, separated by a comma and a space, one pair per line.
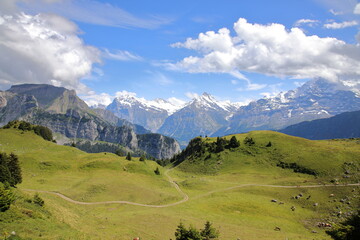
141, 46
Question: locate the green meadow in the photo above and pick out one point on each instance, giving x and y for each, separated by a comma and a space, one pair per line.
230, 188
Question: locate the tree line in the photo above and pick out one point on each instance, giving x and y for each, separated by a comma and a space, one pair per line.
10, 175
42, 131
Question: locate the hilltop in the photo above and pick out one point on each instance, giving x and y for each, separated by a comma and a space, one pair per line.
233, 188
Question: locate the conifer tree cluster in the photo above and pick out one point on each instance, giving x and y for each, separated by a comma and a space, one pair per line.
42, 131
208, 233
128, 156
10, 170
10, 175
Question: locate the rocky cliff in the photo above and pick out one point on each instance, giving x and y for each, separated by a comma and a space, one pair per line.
63, 112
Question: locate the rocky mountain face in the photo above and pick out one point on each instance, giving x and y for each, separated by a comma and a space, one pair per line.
154, 143
62, 111
202, 116
205, 115
149, 114
316, 99
344, 125
116, 121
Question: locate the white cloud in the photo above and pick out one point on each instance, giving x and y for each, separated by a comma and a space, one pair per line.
335, 12
336, 25
255, 86
191, 95
357, 9
160, 78
272, 50
272, 91
93, 99
44, 48
176, 101
93, 12
125, 93
252, 87
298, 84
309, 22
234, 82
121, 55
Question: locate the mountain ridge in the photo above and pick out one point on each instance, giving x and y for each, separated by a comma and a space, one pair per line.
63, 112
344, 125
204, 115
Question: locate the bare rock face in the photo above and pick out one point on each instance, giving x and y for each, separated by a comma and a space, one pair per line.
3, 101
316, 99
160, 146
14, 106
63, 112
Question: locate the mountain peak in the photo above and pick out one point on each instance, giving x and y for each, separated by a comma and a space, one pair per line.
205, 94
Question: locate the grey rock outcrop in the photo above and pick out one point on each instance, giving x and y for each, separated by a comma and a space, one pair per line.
63, 112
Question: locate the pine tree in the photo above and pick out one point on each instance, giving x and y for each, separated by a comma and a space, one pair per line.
142, 158
219, 145
6, 197
10, 170
119, 152
128, 157
234, 143
193, 234
14, 168
249, 141
181, 232
209, 232
5, 175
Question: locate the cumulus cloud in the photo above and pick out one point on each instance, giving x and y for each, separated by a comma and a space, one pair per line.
94, 100
125, 93
272, 50
357, 9
43, 48
309, 22
336, 25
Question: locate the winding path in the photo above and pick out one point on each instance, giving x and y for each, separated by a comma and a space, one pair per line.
185, 196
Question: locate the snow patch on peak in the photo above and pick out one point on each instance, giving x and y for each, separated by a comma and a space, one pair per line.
130, 99
125, 94
208, 101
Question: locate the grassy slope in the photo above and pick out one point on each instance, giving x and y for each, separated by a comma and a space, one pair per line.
244, 213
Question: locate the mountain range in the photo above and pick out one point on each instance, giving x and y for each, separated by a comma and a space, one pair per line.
64, 112
344, 125
204, 115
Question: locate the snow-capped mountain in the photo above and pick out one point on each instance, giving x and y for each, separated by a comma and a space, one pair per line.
207, 101
205, 115
318, 98
150, 114
202, 116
